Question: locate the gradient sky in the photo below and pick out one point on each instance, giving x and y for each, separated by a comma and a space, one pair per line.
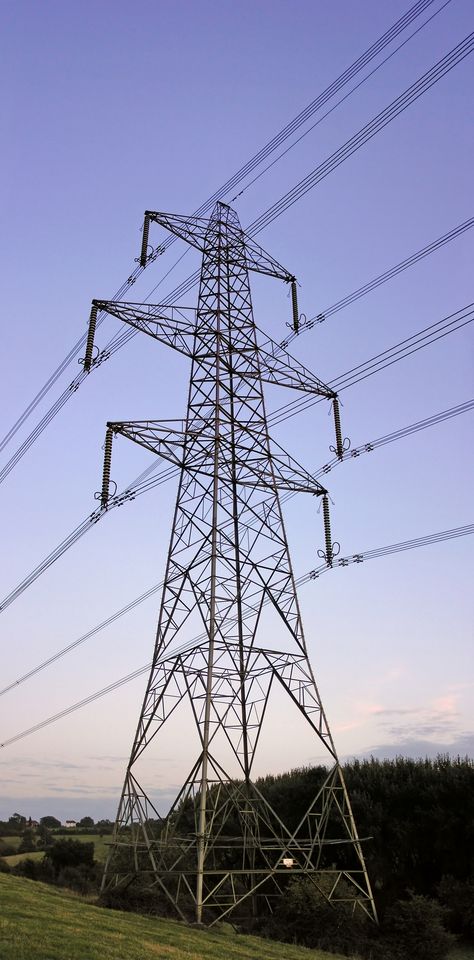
112, 109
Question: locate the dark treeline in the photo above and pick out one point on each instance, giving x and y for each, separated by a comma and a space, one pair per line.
418, 816
416, 822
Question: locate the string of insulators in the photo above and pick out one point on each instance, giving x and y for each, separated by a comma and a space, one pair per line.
327, 530
90, 338
294, 303
104, 497
144, 250
337, 425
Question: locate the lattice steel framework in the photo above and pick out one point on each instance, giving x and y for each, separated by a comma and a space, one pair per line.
222, 848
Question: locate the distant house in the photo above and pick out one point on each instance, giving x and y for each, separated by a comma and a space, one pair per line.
70, 824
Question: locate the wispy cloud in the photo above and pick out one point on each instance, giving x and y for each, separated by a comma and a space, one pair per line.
408, 746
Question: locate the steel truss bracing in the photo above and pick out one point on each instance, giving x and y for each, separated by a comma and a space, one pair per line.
223, 849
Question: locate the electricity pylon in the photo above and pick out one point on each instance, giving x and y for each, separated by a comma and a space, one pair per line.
222, 848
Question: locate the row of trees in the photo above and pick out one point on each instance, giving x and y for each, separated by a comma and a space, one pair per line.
18, 823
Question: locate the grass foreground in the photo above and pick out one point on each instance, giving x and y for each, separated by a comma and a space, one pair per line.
40, 922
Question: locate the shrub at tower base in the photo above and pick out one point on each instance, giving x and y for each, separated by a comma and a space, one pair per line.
410, 930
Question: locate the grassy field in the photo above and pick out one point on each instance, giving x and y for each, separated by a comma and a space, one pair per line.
38, 922
13, 841
100, 847
16, 857
100, 843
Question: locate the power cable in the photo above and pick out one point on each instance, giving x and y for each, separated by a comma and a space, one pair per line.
402, 432
398, 106
381, 361
376, 364
366, 133
339, 102
442, 536
401, 24
382, 278
83, 527
440, 69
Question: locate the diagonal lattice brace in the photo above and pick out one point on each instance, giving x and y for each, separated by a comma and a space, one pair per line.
170, 325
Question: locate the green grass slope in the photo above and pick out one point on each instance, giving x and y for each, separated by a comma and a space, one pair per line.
38, 922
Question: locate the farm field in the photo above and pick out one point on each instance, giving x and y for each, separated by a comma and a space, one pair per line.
100, 843
13, 841
100, 847
38, 922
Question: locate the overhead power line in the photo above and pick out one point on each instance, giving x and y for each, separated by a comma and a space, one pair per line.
366, 133
382, 278
402, 432
376, 364
338, 103
394, 109
116, 342
361, 557
330, 91
83, 527
381, 361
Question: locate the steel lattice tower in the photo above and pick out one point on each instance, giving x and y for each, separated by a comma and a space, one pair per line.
222, 845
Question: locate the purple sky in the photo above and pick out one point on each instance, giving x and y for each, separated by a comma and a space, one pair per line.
112, 109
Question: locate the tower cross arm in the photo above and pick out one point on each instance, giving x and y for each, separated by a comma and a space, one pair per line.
282, 472
259, 261
280, 367
161, 438
195, 229
173, 326
191, 229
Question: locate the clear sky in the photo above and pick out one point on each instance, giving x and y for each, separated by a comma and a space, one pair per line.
109, 109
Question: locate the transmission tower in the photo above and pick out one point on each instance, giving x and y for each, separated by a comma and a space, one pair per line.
222, 849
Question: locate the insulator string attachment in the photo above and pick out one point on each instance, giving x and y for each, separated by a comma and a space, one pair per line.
104, 497
146, 227
294, 303
327, 530
90, 338
337, 425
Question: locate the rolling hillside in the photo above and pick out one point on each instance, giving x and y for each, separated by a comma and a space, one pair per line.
39, 922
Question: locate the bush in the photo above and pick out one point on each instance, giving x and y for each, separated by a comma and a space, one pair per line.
4, 866
69, 853
83, 878
414, 929
304, 916
132, 899
411, 930
457, 896
31, 869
